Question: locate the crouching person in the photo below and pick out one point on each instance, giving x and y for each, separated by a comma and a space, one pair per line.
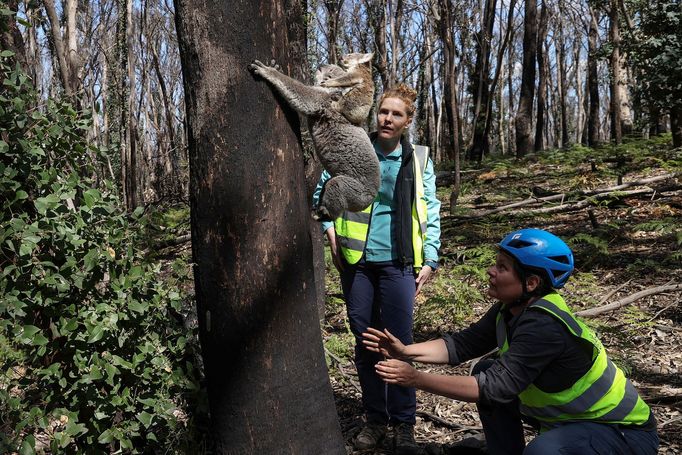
551, 370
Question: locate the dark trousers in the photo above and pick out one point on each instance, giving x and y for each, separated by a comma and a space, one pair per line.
502, 425
380, 295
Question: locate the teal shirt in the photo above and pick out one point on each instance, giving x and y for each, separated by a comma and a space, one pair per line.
381, 240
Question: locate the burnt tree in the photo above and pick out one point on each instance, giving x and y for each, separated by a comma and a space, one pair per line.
524, 140
266, 376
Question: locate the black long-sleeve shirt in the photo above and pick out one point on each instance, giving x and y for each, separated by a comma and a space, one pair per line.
541, 352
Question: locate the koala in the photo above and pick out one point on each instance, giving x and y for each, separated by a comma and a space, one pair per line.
356, 85
343, 148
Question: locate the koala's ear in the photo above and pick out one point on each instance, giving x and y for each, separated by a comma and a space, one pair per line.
366, 57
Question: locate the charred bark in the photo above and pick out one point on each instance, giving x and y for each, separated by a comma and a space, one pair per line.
267, 380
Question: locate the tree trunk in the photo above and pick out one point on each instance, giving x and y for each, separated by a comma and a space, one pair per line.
593, 82
267, 380
563, 87
480, 84
333, 8
542, 80
376, 10
615, 73
59, 47
498, 71
445, 18
524, 142
676, 125
10, 36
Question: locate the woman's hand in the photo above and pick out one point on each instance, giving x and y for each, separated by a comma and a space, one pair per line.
334, 247
383, 342
395, 371
422, 278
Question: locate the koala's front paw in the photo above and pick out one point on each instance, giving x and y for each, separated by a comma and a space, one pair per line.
257, 67
322, 214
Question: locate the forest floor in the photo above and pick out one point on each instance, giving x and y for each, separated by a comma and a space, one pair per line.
625, 240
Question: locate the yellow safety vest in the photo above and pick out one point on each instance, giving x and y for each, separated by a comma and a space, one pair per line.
603, 394
352, 228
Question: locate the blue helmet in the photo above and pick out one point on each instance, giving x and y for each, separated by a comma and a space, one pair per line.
541, 250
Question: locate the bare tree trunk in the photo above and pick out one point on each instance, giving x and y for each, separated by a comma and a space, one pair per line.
542, 80
511, 128
593, 82
72, 57
59, 47
562, 84
480, 84
395, 8
498, 71
267, 380
676, 125
524, 113
333, 8
615, 73
376, 10
444, 18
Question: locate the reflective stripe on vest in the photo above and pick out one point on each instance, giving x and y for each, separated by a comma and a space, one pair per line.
352, 227
419, 209
602, 394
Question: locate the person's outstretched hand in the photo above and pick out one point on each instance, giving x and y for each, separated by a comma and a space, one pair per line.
395, 371
383, 342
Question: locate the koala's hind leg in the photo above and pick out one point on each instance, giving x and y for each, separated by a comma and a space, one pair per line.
342, 193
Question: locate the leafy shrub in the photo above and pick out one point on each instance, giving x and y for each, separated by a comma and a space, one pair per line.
94, 353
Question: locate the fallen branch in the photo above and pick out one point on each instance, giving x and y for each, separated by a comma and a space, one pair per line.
175, 241
446, 423
340, 368
592, 312
597, 193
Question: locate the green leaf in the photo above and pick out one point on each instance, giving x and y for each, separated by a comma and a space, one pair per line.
27, 446
96, 334
91, 197
145, 418
106, 437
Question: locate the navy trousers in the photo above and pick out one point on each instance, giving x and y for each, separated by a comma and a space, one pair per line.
502, 425
380, 295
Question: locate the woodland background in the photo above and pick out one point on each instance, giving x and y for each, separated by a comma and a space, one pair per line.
564, 115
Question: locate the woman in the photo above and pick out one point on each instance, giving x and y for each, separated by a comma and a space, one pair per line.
551, 369
378, 252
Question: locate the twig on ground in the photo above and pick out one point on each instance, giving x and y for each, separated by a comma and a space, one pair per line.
592, 312
444, 422
340, 368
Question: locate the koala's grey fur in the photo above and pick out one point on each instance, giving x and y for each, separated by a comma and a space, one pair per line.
356, 84
344, 149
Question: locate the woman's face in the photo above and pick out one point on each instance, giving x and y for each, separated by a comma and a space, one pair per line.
392, 118
505, 284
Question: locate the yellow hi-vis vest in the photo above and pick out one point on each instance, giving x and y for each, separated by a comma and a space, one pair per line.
352, 228
603, 394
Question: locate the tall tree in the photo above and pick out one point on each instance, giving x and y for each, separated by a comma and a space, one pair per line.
592, 81
333, 10
266, 375
542, 79
65, 45
480, 86
524, 141
615, 79
444, 14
